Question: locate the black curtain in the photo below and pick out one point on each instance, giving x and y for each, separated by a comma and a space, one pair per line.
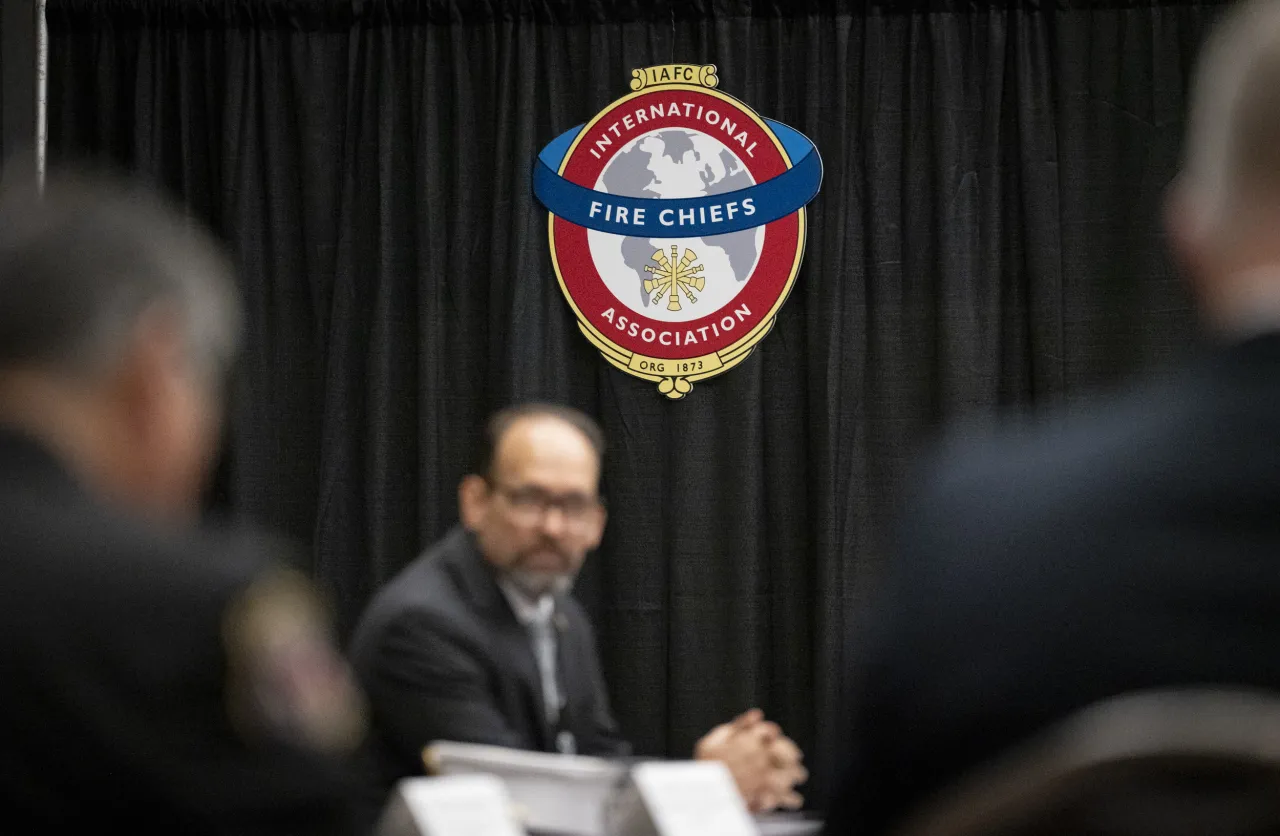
17, 80
4, 84
987, 235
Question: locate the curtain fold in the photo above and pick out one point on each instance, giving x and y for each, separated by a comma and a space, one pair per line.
4, 86
987, 236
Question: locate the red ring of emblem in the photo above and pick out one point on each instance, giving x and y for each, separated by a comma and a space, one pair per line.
764, 286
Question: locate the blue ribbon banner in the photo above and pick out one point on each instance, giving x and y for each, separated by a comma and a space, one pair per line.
692, 217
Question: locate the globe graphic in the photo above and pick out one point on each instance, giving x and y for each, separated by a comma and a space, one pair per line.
675, 163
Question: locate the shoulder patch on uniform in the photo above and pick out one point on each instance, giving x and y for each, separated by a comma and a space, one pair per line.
286, 680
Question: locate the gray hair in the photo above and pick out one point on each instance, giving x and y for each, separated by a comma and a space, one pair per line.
83, 262
1233, 135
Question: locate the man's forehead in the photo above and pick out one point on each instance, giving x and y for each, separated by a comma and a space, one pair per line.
546, 446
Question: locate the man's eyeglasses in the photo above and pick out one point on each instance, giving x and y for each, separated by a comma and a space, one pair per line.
530, 505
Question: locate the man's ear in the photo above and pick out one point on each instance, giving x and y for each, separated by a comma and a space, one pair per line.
147, 387
473, 501
599, 535
1186, 228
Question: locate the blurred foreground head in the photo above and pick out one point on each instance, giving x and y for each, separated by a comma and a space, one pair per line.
118, 321
1224, 214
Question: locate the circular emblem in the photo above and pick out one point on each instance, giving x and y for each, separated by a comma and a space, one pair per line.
677, 225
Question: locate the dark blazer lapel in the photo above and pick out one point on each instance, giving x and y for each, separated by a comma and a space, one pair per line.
511, 640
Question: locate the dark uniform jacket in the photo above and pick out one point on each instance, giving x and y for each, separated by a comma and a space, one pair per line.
1129, 547
116, 681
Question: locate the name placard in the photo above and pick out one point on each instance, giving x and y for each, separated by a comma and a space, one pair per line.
693, 798
456, 805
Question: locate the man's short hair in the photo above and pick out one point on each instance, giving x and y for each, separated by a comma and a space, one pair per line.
502, 421
82, 262
1233, 134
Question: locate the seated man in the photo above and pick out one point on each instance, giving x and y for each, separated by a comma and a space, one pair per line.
478, 640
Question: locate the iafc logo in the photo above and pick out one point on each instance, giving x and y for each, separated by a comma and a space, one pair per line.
677, 224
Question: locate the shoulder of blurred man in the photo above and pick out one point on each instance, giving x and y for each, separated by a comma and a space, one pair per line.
424, 586
989, 471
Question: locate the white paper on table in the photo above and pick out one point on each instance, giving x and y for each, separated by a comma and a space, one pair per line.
462, 805
563, 794
693, 798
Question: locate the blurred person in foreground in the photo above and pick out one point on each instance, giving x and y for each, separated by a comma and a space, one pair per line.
1133, 547
479, 640
154, 678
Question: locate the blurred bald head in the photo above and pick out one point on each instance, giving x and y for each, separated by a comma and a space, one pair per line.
1227, 202
118, 322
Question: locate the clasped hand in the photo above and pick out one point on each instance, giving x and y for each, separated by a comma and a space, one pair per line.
765, 763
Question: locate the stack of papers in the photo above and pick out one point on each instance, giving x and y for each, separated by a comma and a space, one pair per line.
553, 794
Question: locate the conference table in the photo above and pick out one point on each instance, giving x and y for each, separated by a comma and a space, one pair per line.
780, 824
571, 795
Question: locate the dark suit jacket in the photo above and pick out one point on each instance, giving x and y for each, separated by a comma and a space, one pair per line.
113, 699
1128, 547
442, 657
